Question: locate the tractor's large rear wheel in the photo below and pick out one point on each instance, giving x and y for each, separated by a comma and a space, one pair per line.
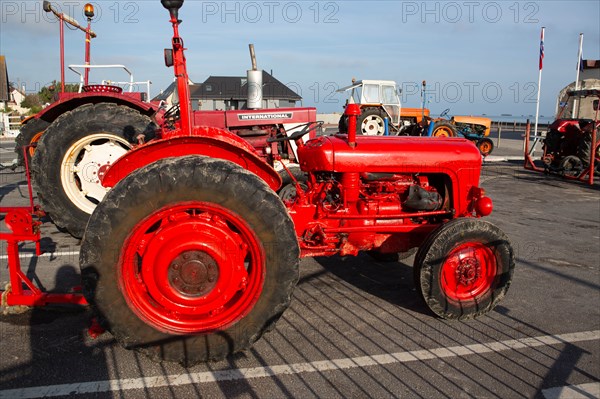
75, 151
464, 268
370, 122
189, 259
584, 149
443, 129
30, 134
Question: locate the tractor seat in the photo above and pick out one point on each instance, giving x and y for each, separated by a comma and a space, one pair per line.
102, 89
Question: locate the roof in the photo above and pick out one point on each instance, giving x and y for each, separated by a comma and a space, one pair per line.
236, 88
4, 89
164, 95
360, 83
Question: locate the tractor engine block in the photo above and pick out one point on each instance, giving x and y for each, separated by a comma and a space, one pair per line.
356, 211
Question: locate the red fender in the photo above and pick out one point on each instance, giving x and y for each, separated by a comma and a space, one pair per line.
209, 141
70, 101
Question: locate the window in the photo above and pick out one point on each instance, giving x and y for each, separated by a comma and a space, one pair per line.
371, 94
389, 95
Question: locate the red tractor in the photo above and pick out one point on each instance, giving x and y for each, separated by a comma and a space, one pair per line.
571, 147
192, 256
74, 140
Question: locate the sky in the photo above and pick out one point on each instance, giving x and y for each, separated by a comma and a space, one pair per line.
478, 57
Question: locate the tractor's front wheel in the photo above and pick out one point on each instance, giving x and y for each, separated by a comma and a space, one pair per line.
73, 154
464, 268
485, 146
189, 259
287, 192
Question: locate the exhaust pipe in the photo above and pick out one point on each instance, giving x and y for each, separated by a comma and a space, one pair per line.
255, 83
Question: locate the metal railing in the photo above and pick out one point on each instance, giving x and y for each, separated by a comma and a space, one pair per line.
129, 85
9, 125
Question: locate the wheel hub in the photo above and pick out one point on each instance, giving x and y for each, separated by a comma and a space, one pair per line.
193, 273
468, 271
93, 166
372, 126
192, 267
84, 165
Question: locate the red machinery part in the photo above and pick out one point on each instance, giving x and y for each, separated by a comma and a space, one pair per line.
468, 272
482, 205
587, 175
456, 158
23, 229
201, 271
213, 142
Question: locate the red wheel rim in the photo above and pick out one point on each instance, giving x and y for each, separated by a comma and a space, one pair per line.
468, 272
191, 268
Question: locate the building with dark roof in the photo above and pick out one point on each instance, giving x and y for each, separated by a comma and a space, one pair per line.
231, 92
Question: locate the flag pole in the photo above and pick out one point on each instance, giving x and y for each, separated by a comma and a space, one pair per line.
575, 112
537, 107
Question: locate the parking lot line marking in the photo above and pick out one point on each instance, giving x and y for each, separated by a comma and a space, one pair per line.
297, 368
581, 391
45, 255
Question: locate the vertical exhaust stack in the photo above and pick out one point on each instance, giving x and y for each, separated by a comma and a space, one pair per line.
255, 83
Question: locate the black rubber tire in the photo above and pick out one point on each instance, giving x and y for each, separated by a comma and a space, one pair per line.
366, 114
552, 145
435, 249
296, 171
27, 133
584, 149
485, 146
288, 188
572, 166
343, 124
154, 187
444, 126
118, 121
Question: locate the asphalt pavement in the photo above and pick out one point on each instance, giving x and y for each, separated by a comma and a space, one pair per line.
355, 327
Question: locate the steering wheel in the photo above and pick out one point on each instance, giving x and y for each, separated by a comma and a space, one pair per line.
306, 128
445, 113
172, 112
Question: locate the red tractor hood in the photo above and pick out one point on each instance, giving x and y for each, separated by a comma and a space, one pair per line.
389, 154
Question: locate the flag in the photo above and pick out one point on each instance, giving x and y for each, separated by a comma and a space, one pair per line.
542, 49
581, 63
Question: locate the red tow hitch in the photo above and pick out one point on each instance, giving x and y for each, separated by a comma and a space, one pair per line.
23, 228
